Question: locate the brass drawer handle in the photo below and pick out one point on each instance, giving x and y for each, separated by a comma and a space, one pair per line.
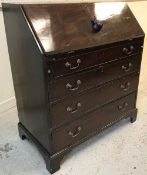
125, 86
69, 109
76, 133
123, 107
67, 64
129, 50
127, 68
69, 86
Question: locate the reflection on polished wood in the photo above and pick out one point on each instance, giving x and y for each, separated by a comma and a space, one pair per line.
64, 98
67, 27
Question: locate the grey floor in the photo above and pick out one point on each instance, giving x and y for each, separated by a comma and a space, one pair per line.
121, 150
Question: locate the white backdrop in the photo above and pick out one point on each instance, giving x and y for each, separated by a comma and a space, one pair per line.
7, 97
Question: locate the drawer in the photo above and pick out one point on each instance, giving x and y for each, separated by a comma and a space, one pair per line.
77, 63
76, 106
63, 87
96, 120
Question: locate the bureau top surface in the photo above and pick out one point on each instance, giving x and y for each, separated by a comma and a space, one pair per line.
67, 27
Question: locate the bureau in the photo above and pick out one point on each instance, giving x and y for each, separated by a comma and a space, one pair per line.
70, 81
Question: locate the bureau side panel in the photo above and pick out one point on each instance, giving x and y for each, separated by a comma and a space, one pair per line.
28, 74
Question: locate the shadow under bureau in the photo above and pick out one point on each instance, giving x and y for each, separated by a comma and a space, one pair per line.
71, 82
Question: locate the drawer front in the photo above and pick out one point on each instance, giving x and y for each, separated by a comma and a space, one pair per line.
74, 107
71, 85
96, 120
77, 63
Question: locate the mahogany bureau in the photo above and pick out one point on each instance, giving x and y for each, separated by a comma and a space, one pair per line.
70, 81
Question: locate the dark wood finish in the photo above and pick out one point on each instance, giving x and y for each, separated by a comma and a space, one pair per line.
66, 136
71, 83
93, 78
73, 64
74, 107
52, 162
66, 30
28, 75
